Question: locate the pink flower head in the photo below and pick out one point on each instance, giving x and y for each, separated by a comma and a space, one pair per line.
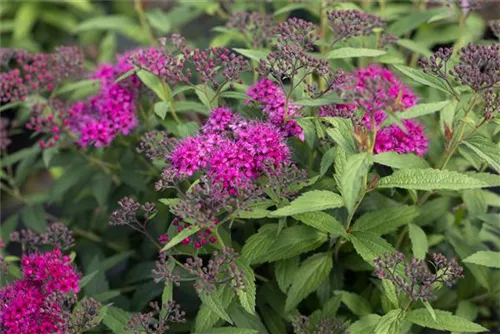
219, 121
393, 138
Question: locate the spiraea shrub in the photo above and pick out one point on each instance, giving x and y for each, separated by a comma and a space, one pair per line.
264, 167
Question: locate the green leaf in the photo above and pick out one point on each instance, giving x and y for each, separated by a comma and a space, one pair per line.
112, 261
430, 309
206, 317
315, 200
206, 95
290, 8
415, 46
364, 325
87, 278
486, 150
258, 244
313, 271
327, 99
351, 180
235, 95
369, 245
158, 20
348, 52
101, 187
161, 109
152, 82
354, 302
116, 319
412, 21
445, 321
423, 109
430, 179
19, 155
390, 323
485, 258
182, 106
34, 218
255, 213
215, 304
390, 292
252, 54
247, 296
119, 23
423, 78
25, 18
419, 242
341, 134
82, 84
181, 236
396, 160
493, 180
386, 220
169, 201
229, 330
292, 242
322, 222
327, 161
284, 271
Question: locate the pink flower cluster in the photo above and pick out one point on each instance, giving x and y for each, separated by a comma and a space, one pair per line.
25, 305
100, 119
274, 105
389, 88
233, 151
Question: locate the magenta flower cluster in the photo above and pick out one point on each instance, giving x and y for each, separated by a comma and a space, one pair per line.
233, 151
389, 88
25, 305
275, 105
101, 118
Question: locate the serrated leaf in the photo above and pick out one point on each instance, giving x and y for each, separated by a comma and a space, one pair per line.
252, 54
396, 160
349, 52
327, 161
313, 271
354, 302
284, 271
423, 78
258, 244
364, 325
419, 243
486, 150
485, 258
322, 222
351, 180
430, 309
292, 242
315, 200
181, 236
390, 323
430, 179
33, 217
247, 296
235, 95
390, 292
152, 82
161, 109
206, 318
423, 109
169, 201
116, 319
445, 321
369, 245
213, 302
386, 220
493, 180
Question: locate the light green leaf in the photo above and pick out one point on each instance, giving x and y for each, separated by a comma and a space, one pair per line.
181, 236
235, 95
116, 319
169, 201
369, 245
396, 160
430, 309
493, 180
386, 220
445, 321
313, 271
215, 304
486, 150
315, 200
409, 22
292, 242
351, 180
229, 330
252, 214
327, 160
390, 323
258, 244
364, 325
390, 292
152, 82
252, 54
423, 109
327, 99
485, 258
87, 278
415, 47
354, 302
423, 78
82, 84
247, 296
289, 8
419, 242
206, 318
284, 271
25, 17
322, 222
158, 20
430, 179
161, 109
348, 52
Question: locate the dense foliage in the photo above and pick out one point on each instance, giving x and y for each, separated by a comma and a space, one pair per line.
307, 167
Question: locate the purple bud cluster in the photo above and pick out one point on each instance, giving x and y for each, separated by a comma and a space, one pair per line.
133, 214
255, 27
35, 73
302, 325
4, 133
158, 320
418, 281
56, 235
437, 63
220, 269
351, 23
